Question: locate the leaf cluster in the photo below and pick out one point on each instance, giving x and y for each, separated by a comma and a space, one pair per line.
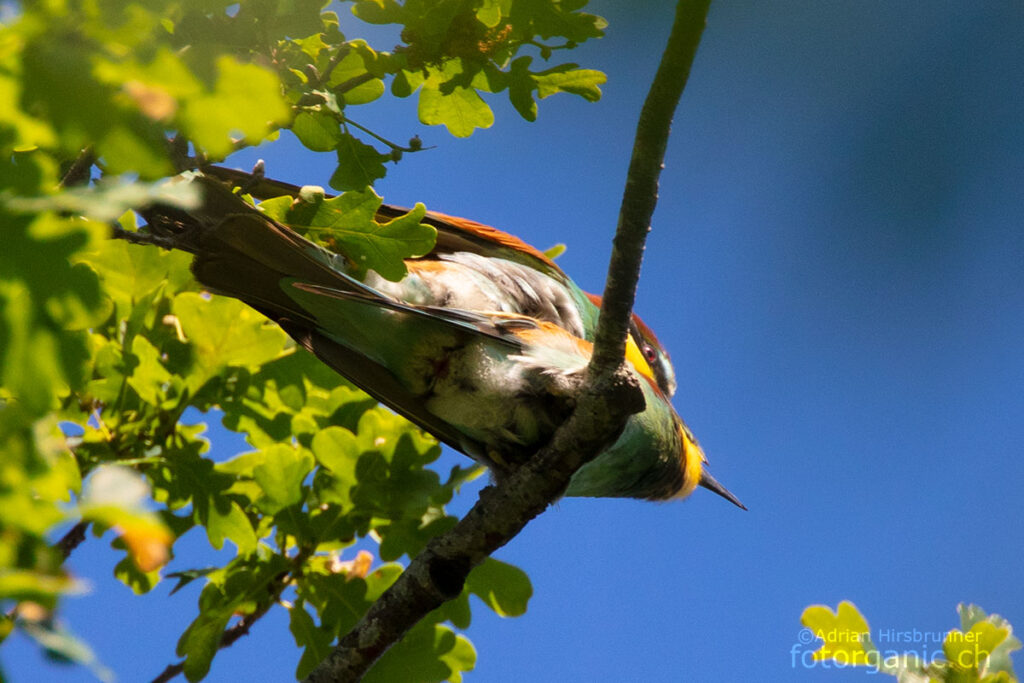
977, 652
108, 351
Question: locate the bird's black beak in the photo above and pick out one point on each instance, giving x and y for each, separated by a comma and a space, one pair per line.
711, 484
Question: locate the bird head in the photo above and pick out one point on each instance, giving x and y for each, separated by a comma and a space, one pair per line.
655, 355
650, 349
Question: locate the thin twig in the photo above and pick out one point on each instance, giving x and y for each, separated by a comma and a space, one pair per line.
353, 83
78, 171
170, 672
136, 237
72, 539
336, 58
608, 397
395, 146
640, 195
227, 640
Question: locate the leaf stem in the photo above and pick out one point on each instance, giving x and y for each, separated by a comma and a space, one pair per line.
78, 171
336, 58
396, 147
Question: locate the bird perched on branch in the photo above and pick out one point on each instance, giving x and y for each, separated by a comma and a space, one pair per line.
483, 343
479, 268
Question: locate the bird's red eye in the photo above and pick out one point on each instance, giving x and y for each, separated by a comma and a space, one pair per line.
650, 353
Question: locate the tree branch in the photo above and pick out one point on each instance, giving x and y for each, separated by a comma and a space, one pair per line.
640, 195
609, 396
438, 573
72, 539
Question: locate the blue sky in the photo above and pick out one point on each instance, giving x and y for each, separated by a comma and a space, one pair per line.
836, 267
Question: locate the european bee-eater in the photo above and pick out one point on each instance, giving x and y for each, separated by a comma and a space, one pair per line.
483, 344
479, 268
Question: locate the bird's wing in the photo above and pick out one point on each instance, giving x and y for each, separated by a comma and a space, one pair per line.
454, 234
379, 343
493, 326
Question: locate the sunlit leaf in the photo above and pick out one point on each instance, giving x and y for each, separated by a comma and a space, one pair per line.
359, 164
462, 111
344, 76
502, 587
230, 523
582, 82
317, 131
246, 100
845, 634
314, 640
999, 660
348, 224
280, 475
225, 332
433, 651
108, 200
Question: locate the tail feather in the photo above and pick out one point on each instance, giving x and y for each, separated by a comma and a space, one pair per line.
241, 252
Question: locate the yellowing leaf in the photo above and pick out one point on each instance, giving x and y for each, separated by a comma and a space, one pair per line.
149, 541
845, 632
154, 102
998, 665
356, 568
969, 651
582, 82
115, 497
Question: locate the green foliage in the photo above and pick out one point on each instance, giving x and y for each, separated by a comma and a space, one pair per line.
454, 50
977, 652
348, 225
105, 345
434, 652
